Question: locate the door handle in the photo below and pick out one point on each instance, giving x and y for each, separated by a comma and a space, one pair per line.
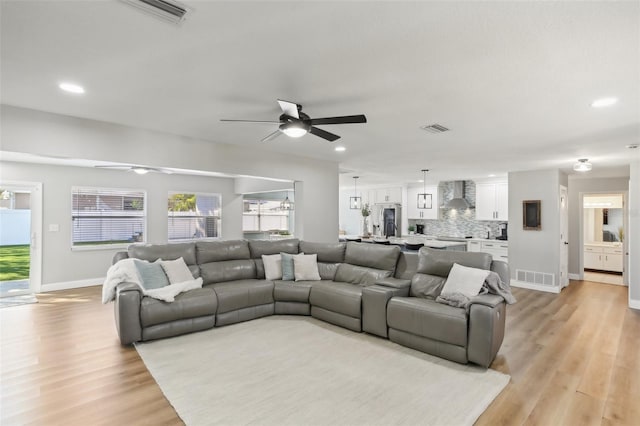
566, 243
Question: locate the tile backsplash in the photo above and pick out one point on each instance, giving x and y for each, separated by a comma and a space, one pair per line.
460, 223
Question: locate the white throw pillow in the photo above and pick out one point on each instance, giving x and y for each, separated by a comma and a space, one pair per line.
177, 270
272, 266
465, 280
305, 267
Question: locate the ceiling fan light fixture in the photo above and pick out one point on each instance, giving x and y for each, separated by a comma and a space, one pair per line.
583, 165
293, 130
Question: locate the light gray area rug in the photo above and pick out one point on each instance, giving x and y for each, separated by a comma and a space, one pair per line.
300, 371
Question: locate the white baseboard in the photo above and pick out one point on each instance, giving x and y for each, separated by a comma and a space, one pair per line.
634, 304
71, 284
522, 284
574, 277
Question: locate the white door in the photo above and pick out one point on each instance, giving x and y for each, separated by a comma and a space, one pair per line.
21, 236
564, 238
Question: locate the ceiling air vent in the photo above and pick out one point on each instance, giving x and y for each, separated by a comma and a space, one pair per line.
434, 128
171, 11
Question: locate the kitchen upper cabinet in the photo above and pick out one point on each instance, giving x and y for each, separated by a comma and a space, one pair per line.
492, 201
413, 212
389, 195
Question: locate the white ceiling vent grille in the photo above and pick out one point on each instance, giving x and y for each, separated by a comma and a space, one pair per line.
171, 11
434, 128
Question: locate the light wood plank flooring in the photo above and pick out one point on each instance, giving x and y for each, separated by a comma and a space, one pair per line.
574, 359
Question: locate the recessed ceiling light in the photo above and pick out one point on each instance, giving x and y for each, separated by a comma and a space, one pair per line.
604, 102
340, 148
492, 175
421, 180
71, 88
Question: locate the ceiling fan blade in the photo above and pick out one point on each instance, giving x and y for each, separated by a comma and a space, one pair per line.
345, 119
289, 108
271, 136
323, 134
114, 166
251, 121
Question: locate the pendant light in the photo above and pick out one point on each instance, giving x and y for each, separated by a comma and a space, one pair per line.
425, 201
355, 202
286, 204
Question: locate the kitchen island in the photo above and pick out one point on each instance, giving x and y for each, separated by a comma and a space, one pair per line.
411, 239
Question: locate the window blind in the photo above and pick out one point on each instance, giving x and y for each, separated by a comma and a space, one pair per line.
107, 216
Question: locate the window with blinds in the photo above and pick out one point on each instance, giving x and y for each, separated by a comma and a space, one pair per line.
102, 216
194, 216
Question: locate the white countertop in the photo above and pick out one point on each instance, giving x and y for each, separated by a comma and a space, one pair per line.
604, 244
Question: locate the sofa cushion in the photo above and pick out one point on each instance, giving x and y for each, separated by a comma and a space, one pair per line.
288, 271
426, 286
272, 264
191, 304
428, 318
327, 252
177, 271
465, 280
372, 255
440, 262
228, 270
153, 252
327, 271
216, 251
288, 291
260, 247
151, 274
361, 275
305, 267
337, 297
242, 294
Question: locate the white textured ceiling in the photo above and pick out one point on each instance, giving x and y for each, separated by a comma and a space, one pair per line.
512, 80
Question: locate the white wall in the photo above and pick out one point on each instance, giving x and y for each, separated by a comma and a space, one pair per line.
41, 133
537, 251
576, 188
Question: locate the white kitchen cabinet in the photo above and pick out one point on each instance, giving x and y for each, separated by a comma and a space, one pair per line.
389, 195
603, 258
498, 249
413, 212
474, 246
492, 201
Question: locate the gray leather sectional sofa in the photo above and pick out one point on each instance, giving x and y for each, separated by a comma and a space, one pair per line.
364, 287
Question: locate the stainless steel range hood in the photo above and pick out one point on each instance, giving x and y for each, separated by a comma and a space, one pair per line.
458, 202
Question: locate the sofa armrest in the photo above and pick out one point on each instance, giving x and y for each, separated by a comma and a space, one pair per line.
127, 312
486, 330
374, 307
396, 283
490, 300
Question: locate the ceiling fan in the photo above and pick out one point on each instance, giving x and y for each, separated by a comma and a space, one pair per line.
295, 123
141, 170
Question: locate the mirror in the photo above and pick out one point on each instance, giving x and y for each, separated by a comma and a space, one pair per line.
603, 218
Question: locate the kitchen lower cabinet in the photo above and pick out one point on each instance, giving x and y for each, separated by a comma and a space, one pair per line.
603, 258
498, 249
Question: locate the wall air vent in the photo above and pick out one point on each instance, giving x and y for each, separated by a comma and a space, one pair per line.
533, 277
434, 128
171, 11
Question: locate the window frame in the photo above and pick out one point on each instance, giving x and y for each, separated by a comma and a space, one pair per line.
106, 191
219, 217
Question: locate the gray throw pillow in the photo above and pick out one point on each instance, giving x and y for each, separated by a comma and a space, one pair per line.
288, 271
151, 274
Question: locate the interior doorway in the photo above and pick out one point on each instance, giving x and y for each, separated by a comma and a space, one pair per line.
20, 238
604, 243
